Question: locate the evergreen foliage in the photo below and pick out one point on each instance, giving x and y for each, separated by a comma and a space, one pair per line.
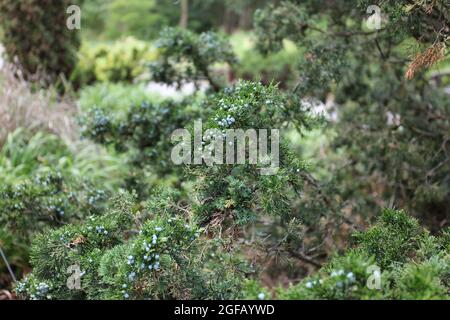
35, 32
162, 261
186, 56
411, 265
227, 230
393, 122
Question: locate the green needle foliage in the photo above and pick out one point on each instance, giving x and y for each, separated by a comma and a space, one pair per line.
144, 130
46, 200
228, 192
410, 264
393, 121
142, 133
166, 259
222, 229
186, 56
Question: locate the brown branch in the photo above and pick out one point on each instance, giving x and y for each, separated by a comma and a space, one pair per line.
303, 257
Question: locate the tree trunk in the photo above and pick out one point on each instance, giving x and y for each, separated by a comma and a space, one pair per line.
245, 19
184, 18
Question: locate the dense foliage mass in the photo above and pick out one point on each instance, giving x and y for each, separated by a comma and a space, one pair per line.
122, 61
356, 207
394, 259
393, 122
189, 57
36, 35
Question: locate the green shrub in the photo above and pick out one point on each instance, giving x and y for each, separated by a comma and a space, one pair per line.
46, 200
164, 248
392, 245
43, 201
26, 154
162, 261
393, 239
225, 194
186, 56
223, 200
35, 32
344, 278
392, 119
231, 192
47, 183
75, 245
115, 98
425, 281
253, 290
124, 60
143, 130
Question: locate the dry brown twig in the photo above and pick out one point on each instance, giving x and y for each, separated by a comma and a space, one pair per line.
426, 59
6, 295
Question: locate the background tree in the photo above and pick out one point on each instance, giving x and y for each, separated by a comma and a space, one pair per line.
393, 119
184, 18
35, 32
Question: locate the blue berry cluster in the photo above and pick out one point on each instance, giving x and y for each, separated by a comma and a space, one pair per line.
343, 279
101, 230
226, 122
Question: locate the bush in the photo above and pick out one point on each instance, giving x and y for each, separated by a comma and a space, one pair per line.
186, 56
196, 241
48, 183
224, 193
127, 268
425, 281
395, 245
163, 261
115, 98
392, 120
122, 61
26, 154
35, 32
75, 245
229, 192
143, 130
39, 203
393, 240
46, 200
